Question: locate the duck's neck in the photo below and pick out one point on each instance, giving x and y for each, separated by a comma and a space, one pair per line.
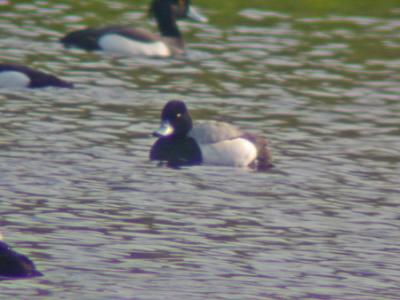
166, 21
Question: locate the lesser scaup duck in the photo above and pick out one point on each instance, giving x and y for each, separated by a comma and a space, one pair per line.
210, 142
133, 41
15, 265
17, 76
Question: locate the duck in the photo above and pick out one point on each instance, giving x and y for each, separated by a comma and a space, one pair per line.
136, 41
183, 143
19, 76
14, 264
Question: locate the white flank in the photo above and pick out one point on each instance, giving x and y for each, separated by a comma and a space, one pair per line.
207, 132
122, 45
13, 79
238, 152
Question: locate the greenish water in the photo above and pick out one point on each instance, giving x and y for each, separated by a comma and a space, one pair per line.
78, 195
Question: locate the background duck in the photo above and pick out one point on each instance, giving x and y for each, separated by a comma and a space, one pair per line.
209, 142
15, 265
134, 41
17, 76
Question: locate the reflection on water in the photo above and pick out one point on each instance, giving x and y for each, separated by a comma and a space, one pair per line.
81, 198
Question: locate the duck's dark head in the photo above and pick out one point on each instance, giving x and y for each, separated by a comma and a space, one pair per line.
175, 120
167, 11
183, 9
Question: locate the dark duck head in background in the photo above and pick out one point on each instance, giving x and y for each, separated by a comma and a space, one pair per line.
135, 41
15, 265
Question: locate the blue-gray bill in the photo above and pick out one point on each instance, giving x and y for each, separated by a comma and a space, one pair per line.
195, 15
165, 129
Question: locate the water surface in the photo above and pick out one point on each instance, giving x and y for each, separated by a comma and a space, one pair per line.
80, 197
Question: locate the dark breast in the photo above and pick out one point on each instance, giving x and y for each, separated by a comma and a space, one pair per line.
176, 152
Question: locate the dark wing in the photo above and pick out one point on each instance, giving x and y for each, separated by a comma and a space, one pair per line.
85, 39
137, 34
88, 38
38, 79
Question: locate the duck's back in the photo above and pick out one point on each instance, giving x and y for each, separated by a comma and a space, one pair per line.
222, 144
88, 38
13, 75
213, 132
118, 39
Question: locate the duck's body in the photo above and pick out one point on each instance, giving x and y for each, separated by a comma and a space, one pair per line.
136, 41
222, 144
17, 76
15, 265
209, 143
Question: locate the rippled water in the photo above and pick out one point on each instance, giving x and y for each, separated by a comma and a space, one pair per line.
80, 197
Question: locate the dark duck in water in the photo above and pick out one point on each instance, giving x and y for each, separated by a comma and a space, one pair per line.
14, 264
